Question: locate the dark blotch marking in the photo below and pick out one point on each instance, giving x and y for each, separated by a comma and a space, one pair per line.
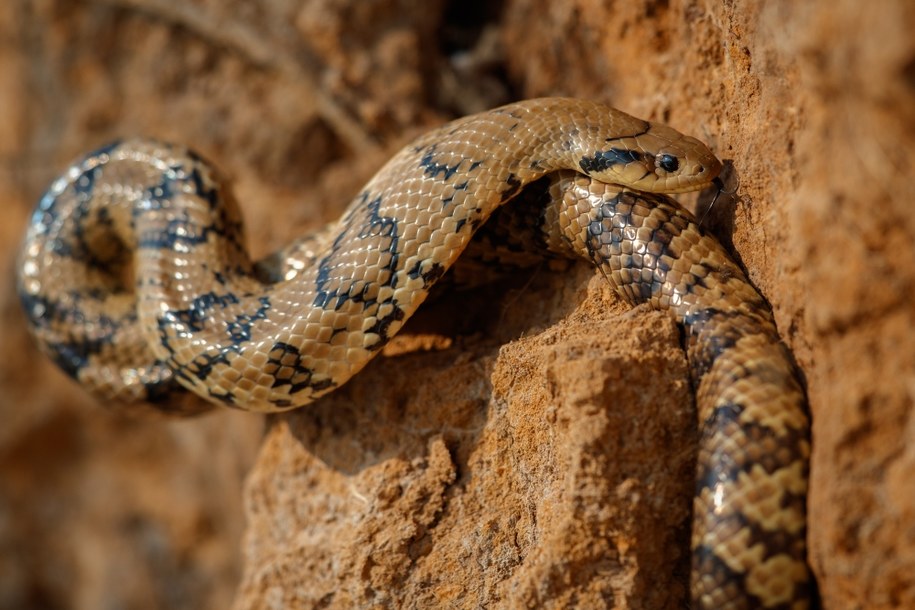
604, 159
709, 337
72, 355
85, 183
434, 169
210, 195
788, 446
164, 191
240, 329
430, 275
177, 231
514, 185
201, 308
707, 562
512, 112
200, 367
164, 391
446, 201
381, 325
375, 226
284, 364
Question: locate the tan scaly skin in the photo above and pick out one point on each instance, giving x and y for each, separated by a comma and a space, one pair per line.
190, 308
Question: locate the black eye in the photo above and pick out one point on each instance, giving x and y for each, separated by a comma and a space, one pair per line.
668, 163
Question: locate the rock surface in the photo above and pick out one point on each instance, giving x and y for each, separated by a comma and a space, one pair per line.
525, 446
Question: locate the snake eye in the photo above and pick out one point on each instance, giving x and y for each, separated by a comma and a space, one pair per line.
668, 163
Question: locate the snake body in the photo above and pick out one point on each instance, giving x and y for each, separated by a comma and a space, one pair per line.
188, 307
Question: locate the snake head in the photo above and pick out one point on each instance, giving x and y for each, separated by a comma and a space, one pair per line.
660, 160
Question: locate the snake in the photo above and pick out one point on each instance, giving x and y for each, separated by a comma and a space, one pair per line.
135, 280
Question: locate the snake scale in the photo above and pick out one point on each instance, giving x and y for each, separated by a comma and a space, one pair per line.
135, 280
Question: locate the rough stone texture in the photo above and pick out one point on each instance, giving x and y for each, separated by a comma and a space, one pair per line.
531, 466
529, 446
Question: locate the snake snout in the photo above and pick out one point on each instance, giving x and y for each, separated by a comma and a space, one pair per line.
709, 167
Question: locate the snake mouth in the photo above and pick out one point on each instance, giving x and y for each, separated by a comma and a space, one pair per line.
688, 187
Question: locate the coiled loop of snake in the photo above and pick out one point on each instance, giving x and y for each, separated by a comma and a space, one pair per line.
193, 309
270, 347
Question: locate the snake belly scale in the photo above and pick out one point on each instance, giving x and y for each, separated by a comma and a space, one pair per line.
190, 310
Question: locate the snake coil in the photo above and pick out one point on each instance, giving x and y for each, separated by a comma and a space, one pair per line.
189, 310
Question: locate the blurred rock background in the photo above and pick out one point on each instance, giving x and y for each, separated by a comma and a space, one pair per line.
524, 446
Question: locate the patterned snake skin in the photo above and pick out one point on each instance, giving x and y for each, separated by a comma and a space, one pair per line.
135, 281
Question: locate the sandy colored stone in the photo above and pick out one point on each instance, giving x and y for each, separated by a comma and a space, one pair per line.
499, 497
525, 446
